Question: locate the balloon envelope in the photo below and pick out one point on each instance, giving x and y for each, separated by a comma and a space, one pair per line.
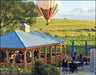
48, 8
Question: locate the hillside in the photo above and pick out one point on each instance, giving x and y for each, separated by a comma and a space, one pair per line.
61, 27
68, 30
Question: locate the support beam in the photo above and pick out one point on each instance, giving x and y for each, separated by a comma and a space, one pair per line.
45, 52
39, 54
56, 54
32, 53
50, 54
7, 62
25, 60
60, 52
64, 49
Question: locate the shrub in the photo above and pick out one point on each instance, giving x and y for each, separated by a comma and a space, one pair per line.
48, 33
55, 35
40, 68
89, 34
14, 69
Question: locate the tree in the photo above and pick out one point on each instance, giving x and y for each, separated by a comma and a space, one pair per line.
14, 13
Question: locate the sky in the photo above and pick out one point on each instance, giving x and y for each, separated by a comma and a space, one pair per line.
76, 10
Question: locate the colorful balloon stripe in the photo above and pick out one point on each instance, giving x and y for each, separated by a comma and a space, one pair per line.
47, 13
55, 12
52, 9
44, 12
55, 9
41, 11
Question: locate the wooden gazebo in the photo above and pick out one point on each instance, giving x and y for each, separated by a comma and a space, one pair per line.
25, 40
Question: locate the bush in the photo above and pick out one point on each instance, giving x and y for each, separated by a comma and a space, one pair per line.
14, 69
40, 68
48, 33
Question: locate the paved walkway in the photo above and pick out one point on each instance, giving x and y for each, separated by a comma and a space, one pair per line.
85, 71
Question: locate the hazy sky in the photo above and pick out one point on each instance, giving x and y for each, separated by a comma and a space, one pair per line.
76, 9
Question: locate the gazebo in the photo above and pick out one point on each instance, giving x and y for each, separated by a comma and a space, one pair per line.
25, 40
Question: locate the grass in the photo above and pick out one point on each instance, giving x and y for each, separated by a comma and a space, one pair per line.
68, 30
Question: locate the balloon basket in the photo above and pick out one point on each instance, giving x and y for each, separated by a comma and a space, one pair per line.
47, 23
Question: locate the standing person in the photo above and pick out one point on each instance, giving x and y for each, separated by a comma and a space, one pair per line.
64, 65
65, 57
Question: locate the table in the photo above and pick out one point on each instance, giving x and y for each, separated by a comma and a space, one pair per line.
76, 62
86, 58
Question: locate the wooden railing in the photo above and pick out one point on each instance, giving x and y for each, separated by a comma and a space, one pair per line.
53, 59
29, 66
2, 64
58, 57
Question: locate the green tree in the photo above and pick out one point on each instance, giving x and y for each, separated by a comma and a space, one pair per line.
15, 12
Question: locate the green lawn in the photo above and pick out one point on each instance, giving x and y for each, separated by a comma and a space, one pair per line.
68, 30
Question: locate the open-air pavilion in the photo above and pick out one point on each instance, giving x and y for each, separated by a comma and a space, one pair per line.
25, 40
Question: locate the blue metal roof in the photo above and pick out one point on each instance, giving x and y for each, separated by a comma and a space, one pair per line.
21, 39
24, 25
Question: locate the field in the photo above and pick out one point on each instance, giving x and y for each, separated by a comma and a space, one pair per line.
68, 30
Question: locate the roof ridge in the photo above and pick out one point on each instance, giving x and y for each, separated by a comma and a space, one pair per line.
19, 38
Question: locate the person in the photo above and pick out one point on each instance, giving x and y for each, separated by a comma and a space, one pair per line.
64, 65
12, 57
65, 57
19, 58
35, 53
80, 55
28, 57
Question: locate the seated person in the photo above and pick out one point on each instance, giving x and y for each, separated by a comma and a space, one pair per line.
35, 53
19, 58
29, 59
12, 57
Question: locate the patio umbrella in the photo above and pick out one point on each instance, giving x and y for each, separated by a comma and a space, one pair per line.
86, 50
72, 53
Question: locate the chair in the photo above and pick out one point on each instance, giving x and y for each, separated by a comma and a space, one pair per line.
81, 63
73, 67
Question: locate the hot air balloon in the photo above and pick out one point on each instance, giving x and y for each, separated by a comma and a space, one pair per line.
48, 8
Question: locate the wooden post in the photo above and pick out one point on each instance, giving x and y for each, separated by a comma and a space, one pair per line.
60, 52
50, 54
32, 52
64, 49
56, 54
45, 55
7, 54
39, 54
25, 60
